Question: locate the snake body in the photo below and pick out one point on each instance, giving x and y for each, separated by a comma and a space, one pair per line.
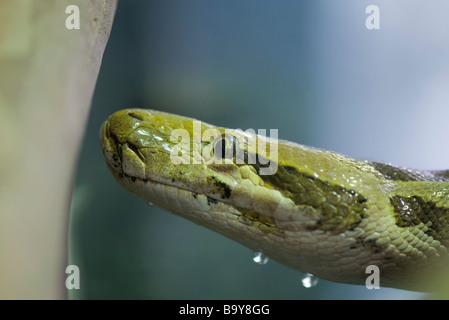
319, 212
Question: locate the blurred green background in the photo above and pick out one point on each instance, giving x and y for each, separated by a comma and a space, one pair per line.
310, 69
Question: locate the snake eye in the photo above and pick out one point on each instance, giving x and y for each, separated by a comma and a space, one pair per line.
225, 146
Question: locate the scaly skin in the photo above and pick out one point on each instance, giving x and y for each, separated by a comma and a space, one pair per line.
318, 212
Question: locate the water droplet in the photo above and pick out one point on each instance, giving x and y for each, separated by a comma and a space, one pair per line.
151, 204
260, 258
309, 280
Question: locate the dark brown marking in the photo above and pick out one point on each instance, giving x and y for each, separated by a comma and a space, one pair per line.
443, 174
402, 174
263, 223
338, 209
225, 190
211, 200
411, 211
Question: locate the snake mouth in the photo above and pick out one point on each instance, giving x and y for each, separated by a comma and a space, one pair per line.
111, 148
167, 196
118, 149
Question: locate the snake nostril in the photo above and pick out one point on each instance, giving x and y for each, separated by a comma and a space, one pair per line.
135, 115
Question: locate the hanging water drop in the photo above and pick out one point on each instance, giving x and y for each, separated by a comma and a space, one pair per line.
260, 258
309, 280
151, 204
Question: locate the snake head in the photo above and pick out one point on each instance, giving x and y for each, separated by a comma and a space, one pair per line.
316, 211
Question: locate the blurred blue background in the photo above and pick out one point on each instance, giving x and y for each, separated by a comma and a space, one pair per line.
310, 69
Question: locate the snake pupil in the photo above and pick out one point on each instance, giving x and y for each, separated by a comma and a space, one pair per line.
221, 146
225, 147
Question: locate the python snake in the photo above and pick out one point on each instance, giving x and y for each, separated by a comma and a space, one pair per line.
318, 211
